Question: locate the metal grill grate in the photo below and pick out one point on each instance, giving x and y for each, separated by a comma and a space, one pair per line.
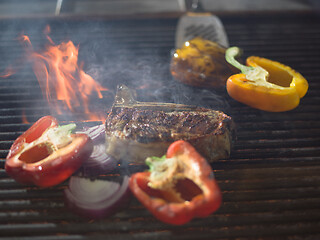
271, 182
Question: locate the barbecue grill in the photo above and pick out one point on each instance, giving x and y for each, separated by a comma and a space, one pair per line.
270, 184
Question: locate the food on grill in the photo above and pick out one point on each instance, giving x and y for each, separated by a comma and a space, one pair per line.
97, 198
178, 186
47, 154
265, 84
99, 162
201, 63
136, 130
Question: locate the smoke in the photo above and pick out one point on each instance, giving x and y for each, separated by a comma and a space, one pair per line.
148, 72
110, 57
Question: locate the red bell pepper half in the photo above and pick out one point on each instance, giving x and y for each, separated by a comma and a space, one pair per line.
178, 186
47, 154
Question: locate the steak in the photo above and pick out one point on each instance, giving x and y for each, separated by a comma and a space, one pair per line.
137, 130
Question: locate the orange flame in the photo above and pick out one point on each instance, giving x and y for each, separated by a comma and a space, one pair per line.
9, 71
24, 118
61, 78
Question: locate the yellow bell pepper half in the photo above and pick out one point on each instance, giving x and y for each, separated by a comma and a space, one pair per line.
265, 84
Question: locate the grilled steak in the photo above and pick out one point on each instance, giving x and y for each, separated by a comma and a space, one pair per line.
137, 130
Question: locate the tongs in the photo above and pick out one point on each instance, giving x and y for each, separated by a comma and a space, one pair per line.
197, 23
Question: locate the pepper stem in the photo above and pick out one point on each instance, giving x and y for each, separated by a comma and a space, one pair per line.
150, 161
256, 74
231, 54
60, 136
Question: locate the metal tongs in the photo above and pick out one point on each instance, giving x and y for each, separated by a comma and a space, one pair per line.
197, 23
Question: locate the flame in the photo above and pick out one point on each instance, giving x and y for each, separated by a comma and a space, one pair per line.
144, 86
61, 77
24, 118
9, 71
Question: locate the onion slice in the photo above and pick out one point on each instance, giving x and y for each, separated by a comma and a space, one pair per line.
96, 198
99, 161
96, 133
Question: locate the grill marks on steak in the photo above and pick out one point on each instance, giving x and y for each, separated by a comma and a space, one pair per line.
137, 130
147, 126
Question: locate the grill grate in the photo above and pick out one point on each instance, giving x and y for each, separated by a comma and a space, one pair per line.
271, 182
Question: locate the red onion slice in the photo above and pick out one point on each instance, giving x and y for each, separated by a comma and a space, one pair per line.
96, 133
96, 198
99, 161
